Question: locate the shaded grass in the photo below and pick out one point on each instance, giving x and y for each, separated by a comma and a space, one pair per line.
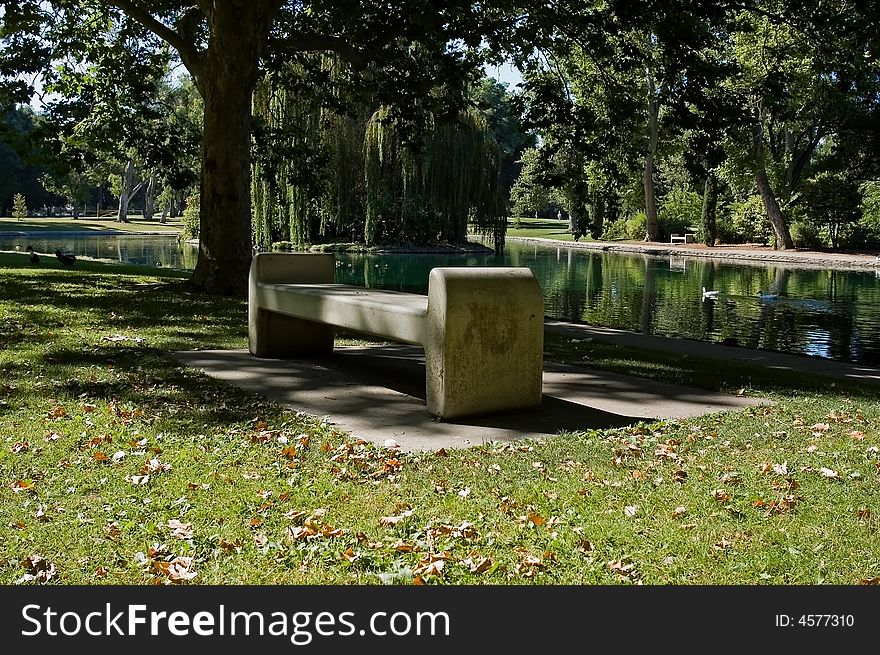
273, 496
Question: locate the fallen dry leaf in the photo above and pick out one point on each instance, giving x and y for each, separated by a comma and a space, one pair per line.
721, 495
175, 571
394, 520
20, 447
828, 473
179, 529
22, 485
295, 515
781, 469
536, 520
478, 565
630, 510
679, 511
621, 568
37, 569
154, 466
349, 555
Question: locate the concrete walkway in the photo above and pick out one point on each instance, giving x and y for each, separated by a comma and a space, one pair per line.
687, 347
758, 256
378, 393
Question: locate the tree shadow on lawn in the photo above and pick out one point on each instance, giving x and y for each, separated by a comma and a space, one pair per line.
127, 304
151, 381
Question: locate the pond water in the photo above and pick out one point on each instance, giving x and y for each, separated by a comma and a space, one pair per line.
148, 250
825, 313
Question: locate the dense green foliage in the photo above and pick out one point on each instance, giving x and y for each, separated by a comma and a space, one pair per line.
632, 107
771, 118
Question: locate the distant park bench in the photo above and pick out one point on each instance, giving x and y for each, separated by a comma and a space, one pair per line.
681, 238
482, 328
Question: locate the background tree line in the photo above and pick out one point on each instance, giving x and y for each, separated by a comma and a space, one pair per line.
745, 121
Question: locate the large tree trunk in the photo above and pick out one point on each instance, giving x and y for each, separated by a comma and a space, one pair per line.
125, 193
225, 195
652, 224
150, 199
128, 190
597, 224
226, 82
710, 207
771, 204
774, 213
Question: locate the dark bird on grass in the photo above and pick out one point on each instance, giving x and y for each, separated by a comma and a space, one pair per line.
65, 258
35, 258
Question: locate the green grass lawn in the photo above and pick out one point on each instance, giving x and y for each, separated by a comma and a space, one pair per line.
119, 466
86, 223
544, 228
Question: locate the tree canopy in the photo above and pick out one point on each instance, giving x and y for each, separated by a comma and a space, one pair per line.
629, 103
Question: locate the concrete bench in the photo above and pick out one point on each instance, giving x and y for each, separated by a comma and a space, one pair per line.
682, 238
482, 328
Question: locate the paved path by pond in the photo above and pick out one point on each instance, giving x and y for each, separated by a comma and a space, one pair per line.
691, 348
378, 393
755, 255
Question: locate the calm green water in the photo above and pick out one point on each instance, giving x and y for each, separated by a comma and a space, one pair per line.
147, 250
832, 314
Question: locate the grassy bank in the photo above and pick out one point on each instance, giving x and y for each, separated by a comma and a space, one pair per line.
543, 228
87, 224
118, 466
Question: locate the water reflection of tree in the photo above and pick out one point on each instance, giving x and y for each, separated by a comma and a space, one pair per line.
646, 316
766, 333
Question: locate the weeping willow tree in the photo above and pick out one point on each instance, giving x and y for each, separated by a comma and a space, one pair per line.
434, 190
322, 174
305, 175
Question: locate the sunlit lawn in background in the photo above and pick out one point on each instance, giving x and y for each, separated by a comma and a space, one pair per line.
544, 228
119, 466
87, 223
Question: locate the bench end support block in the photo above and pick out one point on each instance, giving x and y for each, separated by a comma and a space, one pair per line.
274, 334
484, 342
